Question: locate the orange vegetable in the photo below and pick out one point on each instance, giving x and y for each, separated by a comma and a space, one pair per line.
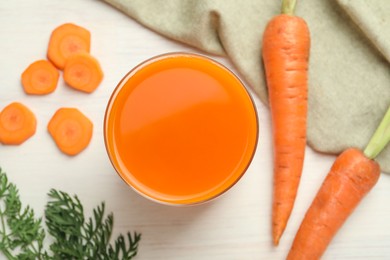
66, 40
351, 177
40, 78
286, 45
83, 72
17, 124
71, 130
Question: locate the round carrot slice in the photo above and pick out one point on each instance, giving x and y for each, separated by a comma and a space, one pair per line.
40, 78
83, 72
17, 124
71, 130
66, 40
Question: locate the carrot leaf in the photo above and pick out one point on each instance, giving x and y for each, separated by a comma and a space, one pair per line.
22, 235
81, 239
380, 138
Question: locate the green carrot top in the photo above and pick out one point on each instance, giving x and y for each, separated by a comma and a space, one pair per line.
288, 7
380, 138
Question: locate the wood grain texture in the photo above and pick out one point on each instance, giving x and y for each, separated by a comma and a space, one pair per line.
235, 226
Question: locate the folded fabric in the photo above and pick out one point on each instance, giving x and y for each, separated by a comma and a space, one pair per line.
372, 17
349, 84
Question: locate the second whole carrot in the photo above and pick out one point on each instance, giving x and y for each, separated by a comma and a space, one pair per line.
351, 177
286, 47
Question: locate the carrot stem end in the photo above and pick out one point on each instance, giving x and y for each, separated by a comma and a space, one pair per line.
288, 7
380, 138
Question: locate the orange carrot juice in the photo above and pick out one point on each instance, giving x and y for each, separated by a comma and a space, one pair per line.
180, 129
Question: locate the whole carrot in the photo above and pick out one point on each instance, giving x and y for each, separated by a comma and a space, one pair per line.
351, 177
286, 46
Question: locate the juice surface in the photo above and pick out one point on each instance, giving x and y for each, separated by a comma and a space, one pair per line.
181, 129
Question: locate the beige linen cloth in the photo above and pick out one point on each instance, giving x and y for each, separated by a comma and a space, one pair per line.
349, 84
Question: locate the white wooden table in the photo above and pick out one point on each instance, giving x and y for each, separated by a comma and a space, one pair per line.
235, 226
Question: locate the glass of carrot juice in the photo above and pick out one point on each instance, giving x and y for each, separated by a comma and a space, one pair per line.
180, 129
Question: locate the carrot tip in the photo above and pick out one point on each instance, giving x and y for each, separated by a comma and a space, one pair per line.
276, 241
276, 234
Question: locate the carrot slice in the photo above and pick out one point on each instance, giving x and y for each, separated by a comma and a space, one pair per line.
83, 72
71, 130
17, 124
66, 40
40, 78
